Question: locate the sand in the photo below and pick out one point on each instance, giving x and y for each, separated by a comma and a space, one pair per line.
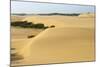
16, 18
22, 33
87, 15
72, 40
63, 21
19, 36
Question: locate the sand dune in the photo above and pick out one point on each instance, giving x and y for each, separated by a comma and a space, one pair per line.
71, 40
59, 45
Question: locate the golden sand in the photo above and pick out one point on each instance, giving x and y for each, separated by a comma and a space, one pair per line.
72, 40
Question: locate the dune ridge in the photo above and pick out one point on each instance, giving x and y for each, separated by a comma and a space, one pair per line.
71, 40
62, 45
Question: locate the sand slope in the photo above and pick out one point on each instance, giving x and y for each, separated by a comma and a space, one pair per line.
59, 45
71, 40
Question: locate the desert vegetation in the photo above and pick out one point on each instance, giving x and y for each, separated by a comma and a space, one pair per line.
26, 24
52, 26
15, 57
61, 14
49, 14
31, 36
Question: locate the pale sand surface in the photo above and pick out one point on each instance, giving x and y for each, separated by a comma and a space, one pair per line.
22, 33
71, 40
63, 21
17, 18
19, 36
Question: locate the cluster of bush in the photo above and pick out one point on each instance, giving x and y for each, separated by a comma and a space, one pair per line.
26, 24
63, 14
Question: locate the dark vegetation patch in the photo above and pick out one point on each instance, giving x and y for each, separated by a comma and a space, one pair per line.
52, 26
61, 14
31, 36
12, 48
50, 14
26, 24
15, 57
